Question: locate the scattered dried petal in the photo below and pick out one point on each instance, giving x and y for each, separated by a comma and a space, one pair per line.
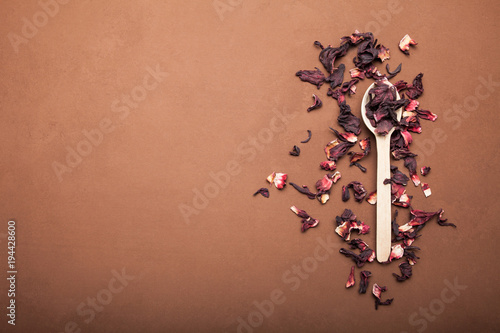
372, 198
328, 165
307, 221
295, 151
345, 193
316, 105
336, 77
363, 285
383, 53
304, 190
377, 292
404, 44
279, 179
359, 190
411, 165
263, 191
315, 77
426, 189
406, 272
350, 280
393, 73
309, 134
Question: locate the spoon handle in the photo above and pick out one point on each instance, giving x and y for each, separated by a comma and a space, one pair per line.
383, 230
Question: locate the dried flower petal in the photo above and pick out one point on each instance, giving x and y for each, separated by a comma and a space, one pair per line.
263, 191
406, 272
347, 120
295, 151
315, 77
346, 137
304, 190
397, 252
336, 149
416, 88
307, 221
383, 53
328, 55
336, 176
279, 179
363, 285
359, 190
309, 134
347, 222
405, 42
345, 193
426, 189
324, 184
350, 280
316, 105
336, 77
411, 165
393, 73
372, 198
328, 165
357, 73
427, 115
377, 292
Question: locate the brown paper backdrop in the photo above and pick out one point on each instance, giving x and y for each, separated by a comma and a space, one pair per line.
230, 67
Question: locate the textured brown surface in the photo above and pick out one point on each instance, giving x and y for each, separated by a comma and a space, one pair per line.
120, 206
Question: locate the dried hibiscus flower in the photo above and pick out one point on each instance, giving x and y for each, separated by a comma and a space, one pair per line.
309, 134
315, 77
411, 165
304, 190
279, 179
316, 105
328, 165
426, 189
393, 73
356, 157
345, 193
336, 77
377, 292
357, 73
367, 255
262, 191
405, 42
346, 137
363, 285
359, 191
383, 53
372, 198
347, 222
328, 55
307, 221
336, 149
347, 120
406, 272
295, 151
350, 280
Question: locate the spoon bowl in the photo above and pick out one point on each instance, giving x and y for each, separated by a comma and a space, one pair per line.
383, 222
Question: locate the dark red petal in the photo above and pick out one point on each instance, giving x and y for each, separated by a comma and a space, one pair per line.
405, 42
324, 184
365, 275
316, 105
345, 193
425, 170
372, 198
263, 191
304, 190
315, 77
406, 272
350, 280
336, 77
426, 189
309, 134
295, 151
328, 165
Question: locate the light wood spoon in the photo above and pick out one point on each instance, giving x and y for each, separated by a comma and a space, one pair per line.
383, 225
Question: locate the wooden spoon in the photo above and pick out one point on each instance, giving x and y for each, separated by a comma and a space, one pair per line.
383, 225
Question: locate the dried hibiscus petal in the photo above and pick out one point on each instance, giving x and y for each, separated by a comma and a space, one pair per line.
307, 221
442, 222
393, 73
278, 178
336, 77
262, 191
363, 285
315, 77
347, 120
346, 137
406, 272
359, 190
324, 184
309, 134
347, 222
295, 151
411, 165
304, 190
372, 198
377, 292
336, 149
349, 87
402, 153
426, 189
383, 53
350, 280
336, 94
316, 105
328, 165
357, 73
362, 258
345, 193
426, 114
397, 252
405, 42
416, 88
328, 55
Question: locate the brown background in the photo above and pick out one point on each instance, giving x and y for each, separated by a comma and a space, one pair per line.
226, 74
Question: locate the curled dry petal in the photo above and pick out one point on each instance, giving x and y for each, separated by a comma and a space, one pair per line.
304, 190
383, 53
307, 221
328, 165
377, 292
393, 73
295, 151
324, 184
309, 134
315, 77
359, 190
350, 280
411, 165
278, 178
426, 114
336, 176
345, 193
404, 44
357, 73
426, 189
316, 105
336, 77
406, 272
412, 105
336, 149
397, 252
365, 275
372, 198
347, 120
416, 88
346, 137
262, 191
